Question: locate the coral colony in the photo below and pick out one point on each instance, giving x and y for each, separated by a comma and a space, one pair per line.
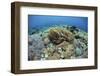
57, 42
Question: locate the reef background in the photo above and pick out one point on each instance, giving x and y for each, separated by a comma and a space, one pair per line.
57, 37
45, 21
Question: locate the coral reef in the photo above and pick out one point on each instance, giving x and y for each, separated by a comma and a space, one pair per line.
59, 42
36, 46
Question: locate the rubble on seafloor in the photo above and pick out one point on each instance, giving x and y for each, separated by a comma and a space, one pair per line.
59, 42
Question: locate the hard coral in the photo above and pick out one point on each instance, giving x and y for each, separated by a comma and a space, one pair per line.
58, 35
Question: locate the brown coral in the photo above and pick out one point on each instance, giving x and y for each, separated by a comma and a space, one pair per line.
57, 35
54, 36
67, 35
55, 56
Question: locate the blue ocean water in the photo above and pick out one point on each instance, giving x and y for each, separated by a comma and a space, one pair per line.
41, 21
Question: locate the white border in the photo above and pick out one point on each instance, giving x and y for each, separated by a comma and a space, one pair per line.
25, 64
